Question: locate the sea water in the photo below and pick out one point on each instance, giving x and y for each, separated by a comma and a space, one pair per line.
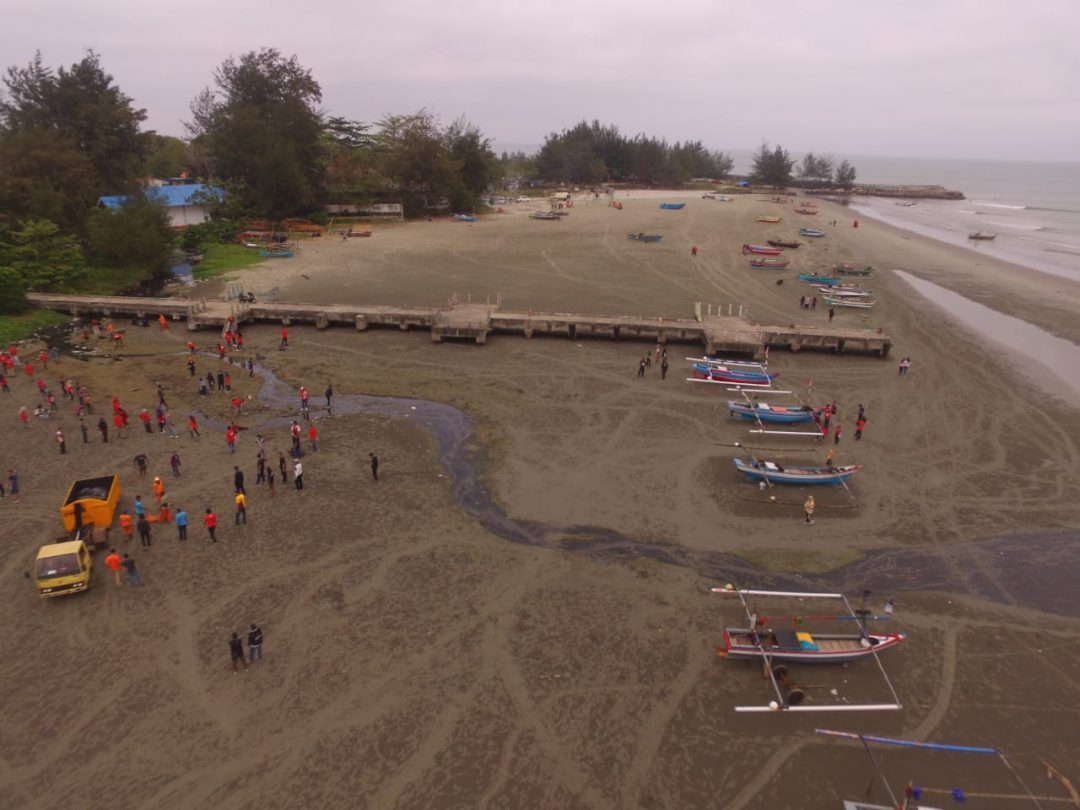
1033, 207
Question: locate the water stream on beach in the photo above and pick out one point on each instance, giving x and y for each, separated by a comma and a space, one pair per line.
1034, 570
1049, 362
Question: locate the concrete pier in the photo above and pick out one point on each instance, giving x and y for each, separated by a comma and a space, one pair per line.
723, 334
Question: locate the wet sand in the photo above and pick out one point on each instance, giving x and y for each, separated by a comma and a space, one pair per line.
416, 659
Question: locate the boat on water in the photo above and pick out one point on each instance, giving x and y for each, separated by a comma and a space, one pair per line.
764, 412
814, 232
813, 278
776, 264
673, 206
762, 250
784, 243
849, 302
981, 236
717, 372
770, 220
550, 216
776, 473
794, 646
848, 269
466, 218
644, 237
909, 204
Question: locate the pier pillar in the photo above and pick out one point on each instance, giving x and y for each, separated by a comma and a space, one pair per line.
321, 321
572, 331
286, 321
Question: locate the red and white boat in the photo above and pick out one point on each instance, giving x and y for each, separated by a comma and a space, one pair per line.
763, 250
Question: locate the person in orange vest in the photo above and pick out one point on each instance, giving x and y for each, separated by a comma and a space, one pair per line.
126, 524
159, 489
164, 324
114, 564
165, 515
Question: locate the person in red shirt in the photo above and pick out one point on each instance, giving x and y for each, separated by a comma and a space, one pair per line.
230, 438
284, 339
115, 403
43, 358
191, 345
210, 521
29, 367
193, 426
144, 417
860, 423
313, 435
114, 564
238, 404
118, 420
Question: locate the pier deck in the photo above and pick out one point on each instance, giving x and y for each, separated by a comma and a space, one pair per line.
729, 334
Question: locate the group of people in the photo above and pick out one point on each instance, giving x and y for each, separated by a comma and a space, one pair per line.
661, 360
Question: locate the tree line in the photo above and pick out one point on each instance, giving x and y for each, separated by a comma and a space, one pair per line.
776, 167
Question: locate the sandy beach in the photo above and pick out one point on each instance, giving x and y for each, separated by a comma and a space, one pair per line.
417, 658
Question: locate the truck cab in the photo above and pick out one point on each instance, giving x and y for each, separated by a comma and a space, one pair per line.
63, 568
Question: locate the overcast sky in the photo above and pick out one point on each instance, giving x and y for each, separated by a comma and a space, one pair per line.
923, 78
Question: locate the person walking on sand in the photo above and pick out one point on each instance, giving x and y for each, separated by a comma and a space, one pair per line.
260, 469
329, 394
663, 369
270, 480
832, 313
374, 467
193, 427
13, 484
241, 508
813, 303
116, 565
298, 475
140, 464
230, 438
236, 650
24, 417
255, 642
60, 441
808, 510
313, 437
238, 481
181, 523
85, 433
836, 434
210, 521
103, 426
283, 468
131, 572
126, 524
641, 368
284, 339
830, 458
158, 488
860, 424
294, 431
144, 417
174, 462
143, 525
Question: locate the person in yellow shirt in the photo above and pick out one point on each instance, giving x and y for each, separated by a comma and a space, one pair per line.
241, 508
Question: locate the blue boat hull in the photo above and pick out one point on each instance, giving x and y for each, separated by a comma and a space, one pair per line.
826, 281
672, 206
785, 416
796, 476
732, 375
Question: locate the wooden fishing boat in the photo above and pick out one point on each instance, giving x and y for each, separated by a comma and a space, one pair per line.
849, 303
762, 250
770, 220
848, 269
716, 372
673, 206
982, 237
845, 293
793, 646
764, 412
775, 264
716, 197
813, 278
466, 218
814, 232
644, 237
273, 252
812, 211
550, 216
784, 243
775, 473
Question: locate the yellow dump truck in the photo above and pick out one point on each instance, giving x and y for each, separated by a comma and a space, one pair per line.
91, 502
63, 568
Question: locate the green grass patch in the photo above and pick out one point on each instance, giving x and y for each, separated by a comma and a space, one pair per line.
220, 259
798, 560
19, 327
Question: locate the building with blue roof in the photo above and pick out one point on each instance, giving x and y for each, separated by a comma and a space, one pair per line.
184, 203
